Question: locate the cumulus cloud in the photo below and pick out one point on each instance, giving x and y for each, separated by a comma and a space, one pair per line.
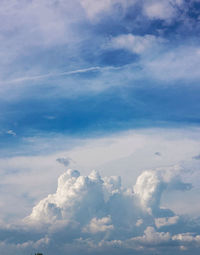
99, 225
100, 214
151, 184
160, 222
152, 236
92, 199
187, 237
82, 199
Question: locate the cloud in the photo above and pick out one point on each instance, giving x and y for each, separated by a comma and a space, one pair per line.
177, 64
64, 161
50, 75
78, 198
98, 213
24, 183
187, 237
91, 200
153, 237
11, 132
95, 8
160, 222
150, 186
164, 9
134, 43
139, 222
153, 9
41, 42
99, 225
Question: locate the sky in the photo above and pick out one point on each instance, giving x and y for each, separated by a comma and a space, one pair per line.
100, 127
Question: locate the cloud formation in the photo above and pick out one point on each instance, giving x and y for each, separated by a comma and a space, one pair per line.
95, 213
98, 214
163, 10
134, 43
64, 161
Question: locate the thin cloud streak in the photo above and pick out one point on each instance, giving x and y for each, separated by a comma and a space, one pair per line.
49, 75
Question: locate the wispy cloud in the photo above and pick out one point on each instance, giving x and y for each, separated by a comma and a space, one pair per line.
49, 75
11, 132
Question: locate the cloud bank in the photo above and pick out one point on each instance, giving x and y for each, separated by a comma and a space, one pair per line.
91, 213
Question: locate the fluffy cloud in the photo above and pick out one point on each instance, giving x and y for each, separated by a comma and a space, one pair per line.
151, 184
160, 222
187, 237
94, 213
152, 237
99, 204
82, 199
99, 225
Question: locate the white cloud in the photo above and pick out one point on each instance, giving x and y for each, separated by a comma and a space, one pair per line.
84, 199
186, 237
99, 204
94, 8
177, 64
100, 213
45, 20
150, 186
99, 225
50, 75
11, 132
152, 237
34, 26
26, 180
135, 43
153, 9
163, 9
161, 222
139, 222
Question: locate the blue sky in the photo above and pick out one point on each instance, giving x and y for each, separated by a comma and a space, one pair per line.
109, 85
103, 66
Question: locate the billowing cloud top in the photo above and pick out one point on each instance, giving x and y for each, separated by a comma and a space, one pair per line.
95, 213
